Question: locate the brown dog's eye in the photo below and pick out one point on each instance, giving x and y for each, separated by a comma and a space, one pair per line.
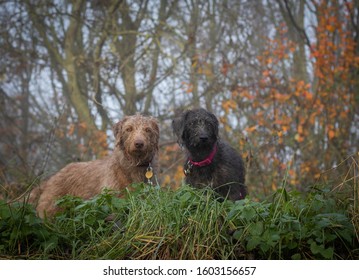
129, 129
148, 130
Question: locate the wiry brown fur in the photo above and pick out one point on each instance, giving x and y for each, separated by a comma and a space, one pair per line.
136, 147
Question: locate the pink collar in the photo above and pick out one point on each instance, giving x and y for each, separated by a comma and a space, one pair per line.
206, 161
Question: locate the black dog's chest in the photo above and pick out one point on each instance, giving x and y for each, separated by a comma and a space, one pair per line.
195, 174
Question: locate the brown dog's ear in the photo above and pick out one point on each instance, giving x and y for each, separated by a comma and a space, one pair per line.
155, 125
156, 128
117, 127
156, 131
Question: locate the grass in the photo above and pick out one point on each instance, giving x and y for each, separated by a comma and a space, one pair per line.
156, 223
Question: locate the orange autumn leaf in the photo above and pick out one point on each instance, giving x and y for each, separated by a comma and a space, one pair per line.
229, 104
343, 114
227, 128
71, 130
285, 128
59, 133
282, 97
331, 134
308, 95
188, 87
330, 28
298, 138
251, 129
82, 126
266, 73
246, 94
223, 120
225, 68
300, 129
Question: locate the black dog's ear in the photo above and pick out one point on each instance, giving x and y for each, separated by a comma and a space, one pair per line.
212, 116
215, 122
178, 127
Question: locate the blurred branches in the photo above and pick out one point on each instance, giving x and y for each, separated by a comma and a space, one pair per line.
282, 76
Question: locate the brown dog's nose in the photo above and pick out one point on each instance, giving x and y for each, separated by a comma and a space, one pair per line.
139, 144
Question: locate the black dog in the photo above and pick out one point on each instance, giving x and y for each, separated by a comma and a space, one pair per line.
211, 162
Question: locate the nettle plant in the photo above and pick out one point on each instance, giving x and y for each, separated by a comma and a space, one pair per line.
294, 226
157, 223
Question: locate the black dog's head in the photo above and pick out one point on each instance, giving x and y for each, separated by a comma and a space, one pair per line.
197, 130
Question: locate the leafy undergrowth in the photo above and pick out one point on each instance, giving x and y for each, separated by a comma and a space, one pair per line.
154, 223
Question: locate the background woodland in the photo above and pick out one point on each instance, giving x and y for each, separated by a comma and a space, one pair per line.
281, 75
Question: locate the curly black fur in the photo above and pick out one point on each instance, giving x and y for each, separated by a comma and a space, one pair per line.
197, 132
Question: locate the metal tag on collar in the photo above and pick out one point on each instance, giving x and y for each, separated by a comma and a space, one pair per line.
187, 168
149, 174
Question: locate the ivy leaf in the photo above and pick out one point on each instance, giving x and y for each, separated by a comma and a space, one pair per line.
253, 243
320, 249
256, 229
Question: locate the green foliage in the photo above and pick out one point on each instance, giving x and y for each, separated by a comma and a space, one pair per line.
22, 233
294, 226
156, 223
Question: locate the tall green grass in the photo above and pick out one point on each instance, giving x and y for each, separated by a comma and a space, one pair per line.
157, 223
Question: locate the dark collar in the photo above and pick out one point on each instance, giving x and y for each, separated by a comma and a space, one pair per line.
146, 164
207, 161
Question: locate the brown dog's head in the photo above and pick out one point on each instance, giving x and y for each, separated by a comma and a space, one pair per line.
137, 137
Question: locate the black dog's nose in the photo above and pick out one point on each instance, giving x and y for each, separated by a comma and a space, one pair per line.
203, 137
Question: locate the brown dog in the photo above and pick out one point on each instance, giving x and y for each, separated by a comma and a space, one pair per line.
135, 153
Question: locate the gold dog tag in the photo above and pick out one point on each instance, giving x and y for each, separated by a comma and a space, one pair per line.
149, 173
